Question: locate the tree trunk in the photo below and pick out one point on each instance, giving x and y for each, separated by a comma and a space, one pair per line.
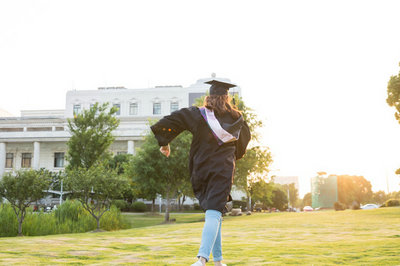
167, 209
98, 223
179, 203
20, 227
183, 200
152, 205
248, 202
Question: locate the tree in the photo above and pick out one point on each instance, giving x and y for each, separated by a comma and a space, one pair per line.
87, 175
95, 188
154, 173
261, 192
119, 163
22, 188
393, 99
251, 168
379, 197
279, 198
91, 137
307, 199
353, 189
293, 194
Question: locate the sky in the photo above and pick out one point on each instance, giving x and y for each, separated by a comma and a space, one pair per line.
315, 72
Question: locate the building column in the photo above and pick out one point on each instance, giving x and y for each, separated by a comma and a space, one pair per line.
131, 147
2, 158
36, 154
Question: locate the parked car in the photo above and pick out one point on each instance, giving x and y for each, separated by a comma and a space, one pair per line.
369, 206
308, 209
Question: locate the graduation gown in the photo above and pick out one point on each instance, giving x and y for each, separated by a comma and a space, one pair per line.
211, 162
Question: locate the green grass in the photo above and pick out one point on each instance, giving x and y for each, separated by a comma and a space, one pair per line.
136, 220
364, 237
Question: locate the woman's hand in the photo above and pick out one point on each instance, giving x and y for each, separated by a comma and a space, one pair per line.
165, 150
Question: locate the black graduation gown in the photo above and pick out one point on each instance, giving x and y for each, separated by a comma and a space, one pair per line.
211, 165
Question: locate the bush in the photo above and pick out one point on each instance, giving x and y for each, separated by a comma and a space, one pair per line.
355, 206
138, 206
391, 203
70, 217
121, 205
339, 206
196, 207
239, 204
8, 221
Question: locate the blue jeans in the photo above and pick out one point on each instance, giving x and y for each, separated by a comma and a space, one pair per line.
211, 237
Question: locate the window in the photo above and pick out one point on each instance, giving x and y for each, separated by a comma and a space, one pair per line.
26, 160
133, 109
77, 109
174, 106
118, 106
156, 108
121, 152
9, 160
59, 159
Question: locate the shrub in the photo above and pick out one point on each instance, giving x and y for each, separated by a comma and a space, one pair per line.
121, 205
70, 217
391, 203
239, 204
196, 207
8, 221
355, 206
138, 206
339, 206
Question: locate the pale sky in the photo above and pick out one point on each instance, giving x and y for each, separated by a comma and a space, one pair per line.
316, 72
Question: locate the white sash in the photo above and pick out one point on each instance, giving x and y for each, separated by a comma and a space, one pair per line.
215, 126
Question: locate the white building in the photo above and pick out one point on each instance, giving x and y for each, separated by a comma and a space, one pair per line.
287, 180
38, 138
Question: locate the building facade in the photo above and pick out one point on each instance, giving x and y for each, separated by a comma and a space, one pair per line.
287, 180
37, 139
324, 191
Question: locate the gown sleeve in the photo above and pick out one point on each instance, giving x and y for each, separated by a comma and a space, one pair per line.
170, 126
241, 143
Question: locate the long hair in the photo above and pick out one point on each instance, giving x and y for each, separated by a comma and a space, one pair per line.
220, 104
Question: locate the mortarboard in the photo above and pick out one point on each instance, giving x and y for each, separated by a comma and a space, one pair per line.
219, 87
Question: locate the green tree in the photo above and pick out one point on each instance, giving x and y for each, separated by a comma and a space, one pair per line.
88, 175
307, 200
261, 192
293, 194
95, 187
379, 197
279, 198
119, 163
393, 99
22, 188
251, 168
154, 173
91, 137
353, 189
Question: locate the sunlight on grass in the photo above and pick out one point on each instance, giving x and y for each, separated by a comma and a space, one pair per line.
367, 237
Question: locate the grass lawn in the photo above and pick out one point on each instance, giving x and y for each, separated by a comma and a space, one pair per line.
364, 237
135, 220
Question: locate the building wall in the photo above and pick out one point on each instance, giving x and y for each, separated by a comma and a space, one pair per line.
324, 191
286, 180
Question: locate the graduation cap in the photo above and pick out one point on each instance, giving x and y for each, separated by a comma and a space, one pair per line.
219, 87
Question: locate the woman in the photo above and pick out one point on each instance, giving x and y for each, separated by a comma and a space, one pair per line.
220, 137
